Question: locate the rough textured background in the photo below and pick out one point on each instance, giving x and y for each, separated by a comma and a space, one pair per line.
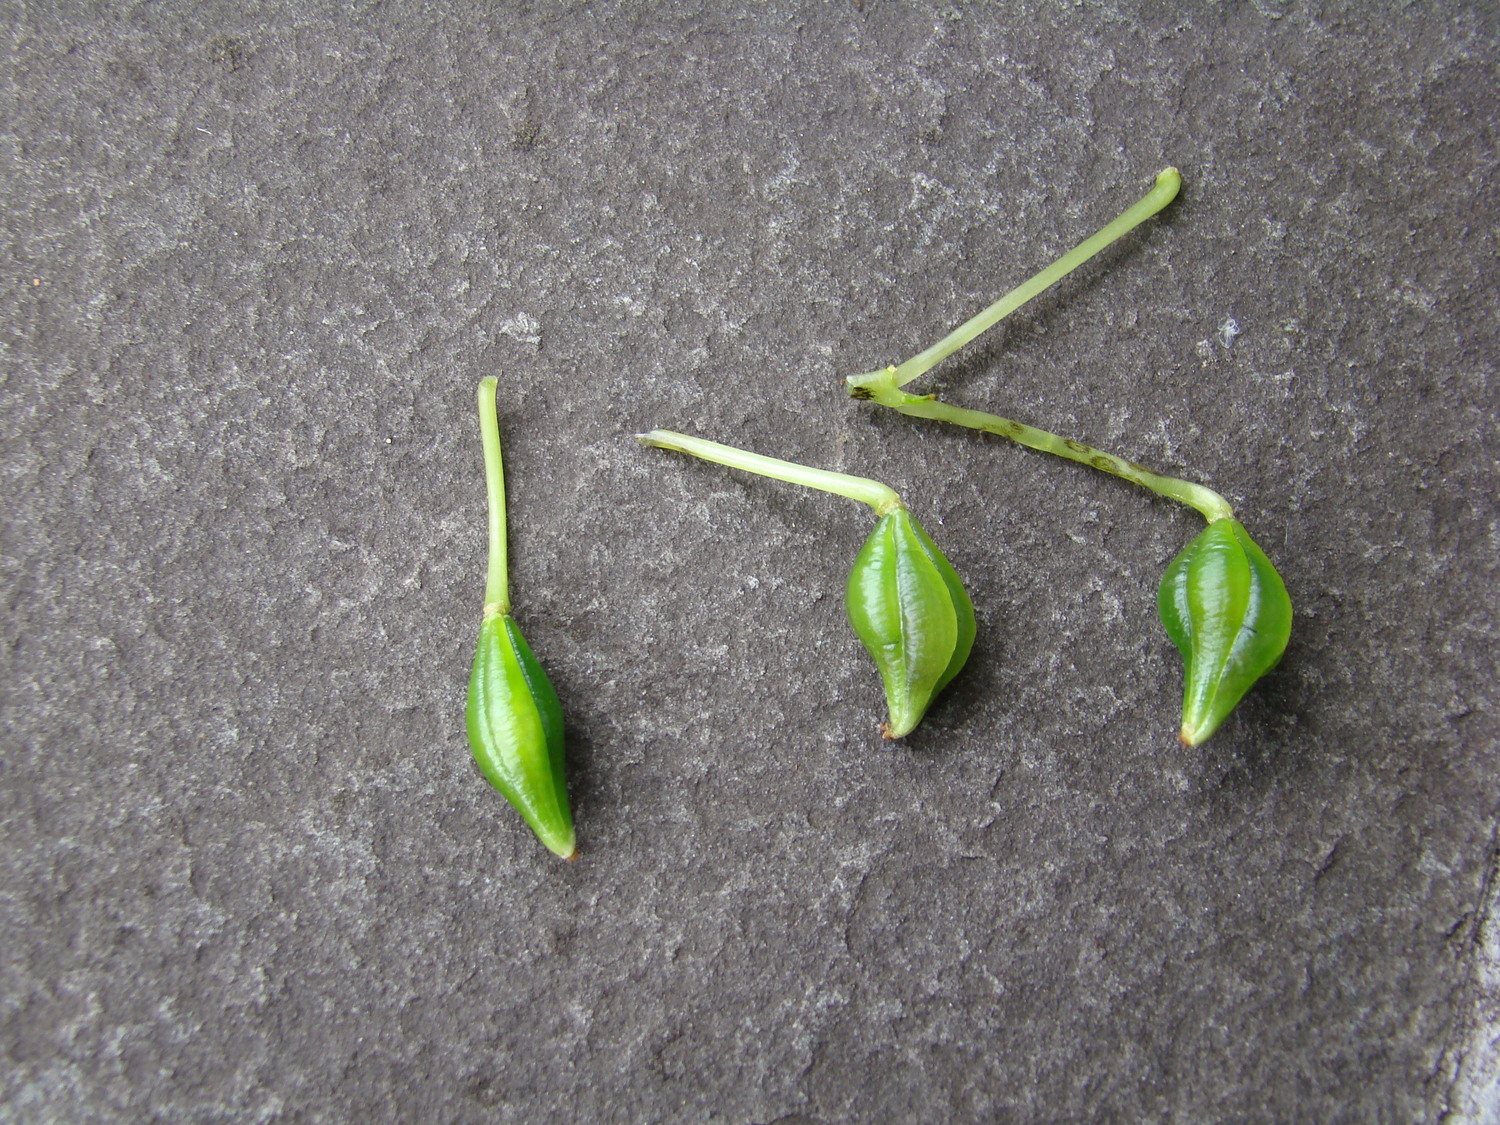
256, 257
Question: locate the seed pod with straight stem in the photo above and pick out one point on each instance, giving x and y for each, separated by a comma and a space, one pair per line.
903, 598
514, 719
1221, 601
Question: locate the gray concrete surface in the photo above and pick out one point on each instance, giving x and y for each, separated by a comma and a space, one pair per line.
256, 257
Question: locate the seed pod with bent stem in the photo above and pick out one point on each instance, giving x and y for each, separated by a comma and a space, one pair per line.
903, 598
513, 716
1227, 611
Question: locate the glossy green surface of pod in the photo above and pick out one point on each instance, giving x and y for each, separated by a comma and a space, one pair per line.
1227, 611
516, 731
908, 606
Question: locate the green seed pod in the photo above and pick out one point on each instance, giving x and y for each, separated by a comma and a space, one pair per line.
1227, 611
513, 717
911, 611
903, 598
516, 731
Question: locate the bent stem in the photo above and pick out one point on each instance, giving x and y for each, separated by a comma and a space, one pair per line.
497, 582
880, 497
881, 387
885, 386
1168, 182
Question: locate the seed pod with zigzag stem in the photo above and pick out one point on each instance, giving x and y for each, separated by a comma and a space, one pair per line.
1222, 601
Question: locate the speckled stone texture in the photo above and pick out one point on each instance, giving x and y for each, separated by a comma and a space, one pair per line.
257, 256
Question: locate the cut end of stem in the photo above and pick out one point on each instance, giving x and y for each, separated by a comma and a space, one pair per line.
868, 385
1190, 738
1169, 183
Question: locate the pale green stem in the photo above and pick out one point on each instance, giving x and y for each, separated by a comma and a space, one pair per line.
497, 584
883, 499
884, 386
1168, 181
880, 386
